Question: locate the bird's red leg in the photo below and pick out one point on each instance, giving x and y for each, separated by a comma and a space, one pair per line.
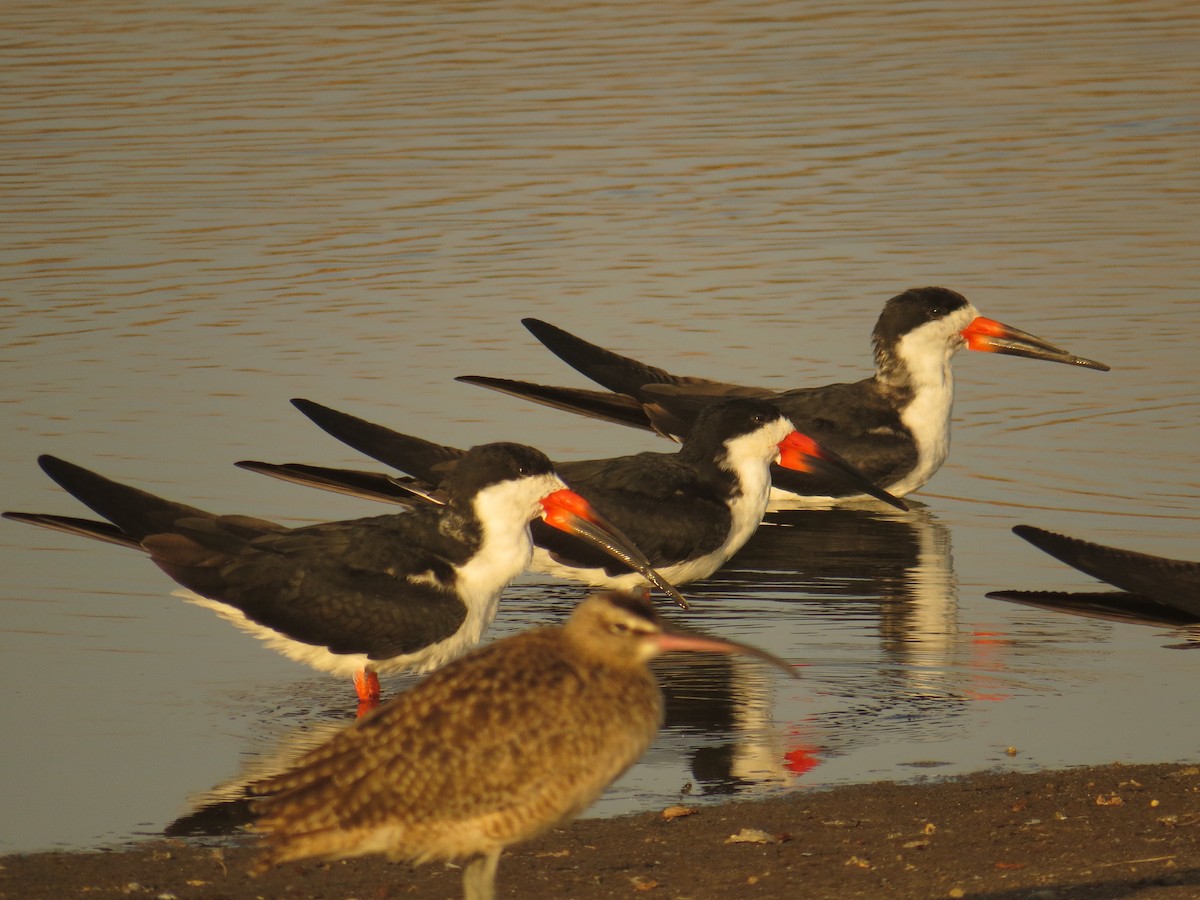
366, 685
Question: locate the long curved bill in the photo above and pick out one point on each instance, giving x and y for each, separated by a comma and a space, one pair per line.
991, 336
800, 453
569, 512
670, 641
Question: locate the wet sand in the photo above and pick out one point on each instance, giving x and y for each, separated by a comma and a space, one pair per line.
1077, 834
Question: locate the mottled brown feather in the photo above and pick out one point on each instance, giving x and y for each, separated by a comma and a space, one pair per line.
497, 747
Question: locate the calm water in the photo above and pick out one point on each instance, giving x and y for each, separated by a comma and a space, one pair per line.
209, 210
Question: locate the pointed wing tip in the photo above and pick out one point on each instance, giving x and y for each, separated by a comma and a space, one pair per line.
308, 407
1033, 534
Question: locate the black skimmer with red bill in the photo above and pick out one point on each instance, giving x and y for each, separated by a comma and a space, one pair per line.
689, 512
511, 740
894, 427
407, 591
1154, 590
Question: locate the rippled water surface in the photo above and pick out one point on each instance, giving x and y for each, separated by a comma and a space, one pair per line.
210, 209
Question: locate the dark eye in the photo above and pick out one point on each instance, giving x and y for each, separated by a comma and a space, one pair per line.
760, 419
620, 628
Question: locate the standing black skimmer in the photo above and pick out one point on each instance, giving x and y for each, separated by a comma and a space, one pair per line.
894, 427
408, 591
1154, 590
689, 512
509, 741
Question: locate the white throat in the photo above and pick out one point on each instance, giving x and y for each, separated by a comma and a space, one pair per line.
749, 458
924, 356
504, 512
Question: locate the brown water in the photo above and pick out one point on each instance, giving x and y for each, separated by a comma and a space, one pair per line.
209, 210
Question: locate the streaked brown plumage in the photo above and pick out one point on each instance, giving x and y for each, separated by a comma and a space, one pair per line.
499, 746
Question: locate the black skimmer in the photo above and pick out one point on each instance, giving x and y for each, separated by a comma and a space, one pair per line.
689, 512
894, 427
538, 724
398, 592
1154, 590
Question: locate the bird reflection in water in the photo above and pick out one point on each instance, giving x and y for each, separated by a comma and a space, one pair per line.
720, 718
856, 563
839, 578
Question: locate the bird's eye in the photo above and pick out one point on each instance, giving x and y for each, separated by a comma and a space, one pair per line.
620, 627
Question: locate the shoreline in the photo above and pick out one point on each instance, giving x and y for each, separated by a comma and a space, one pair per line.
1088, 833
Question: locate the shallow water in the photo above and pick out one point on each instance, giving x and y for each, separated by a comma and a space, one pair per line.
211, 210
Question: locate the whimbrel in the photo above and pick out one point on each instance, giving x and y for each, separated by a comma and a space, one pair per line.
501, 745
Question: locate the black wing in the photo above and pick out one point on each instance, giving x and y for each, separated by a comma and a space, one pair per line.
351, 482
616, 408
423, 459
1170, 582
370, 586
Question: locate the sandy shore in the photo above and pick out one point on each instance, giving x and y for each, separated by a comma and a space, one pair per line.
1078, 834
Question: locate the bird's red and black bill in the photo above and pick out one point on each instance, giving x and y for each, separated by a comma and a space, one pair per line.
569, 512
800, 453
991, 336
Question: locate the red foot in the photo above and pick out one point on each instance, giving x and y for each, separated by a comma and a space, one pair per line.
366, 684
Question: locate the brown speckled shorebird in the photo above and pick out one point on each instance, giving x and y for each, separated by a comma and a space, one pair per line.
499, 746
